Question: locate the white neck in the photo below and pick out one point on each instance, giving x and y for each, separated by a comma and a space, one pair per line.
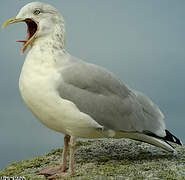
52, 41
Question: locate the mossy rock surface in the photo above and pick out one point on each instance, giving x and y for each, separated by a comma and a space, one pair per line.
109, 159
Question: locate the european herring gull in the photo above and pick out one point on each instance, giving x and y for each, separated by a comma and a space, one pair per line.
79, 99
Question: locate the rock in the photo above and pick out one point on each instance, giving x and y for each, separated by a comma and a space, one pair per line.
109, 159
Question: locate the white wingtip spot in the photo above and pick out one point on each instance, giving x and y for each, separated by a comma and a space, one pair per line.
174, 139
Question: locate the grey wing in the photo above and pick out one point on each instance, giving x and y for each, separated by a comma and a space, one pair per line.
98, 93
153, 117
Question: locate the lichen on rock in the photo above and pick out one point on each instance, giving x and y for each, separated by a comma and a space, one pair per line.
109, 159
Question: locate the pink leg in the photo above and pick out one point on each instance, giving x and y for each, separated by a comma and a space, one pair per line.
71, 164
64, 153
72, 151
49, 171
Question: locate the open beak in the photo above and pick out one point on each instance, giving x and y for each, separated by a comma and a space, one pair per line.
32, 30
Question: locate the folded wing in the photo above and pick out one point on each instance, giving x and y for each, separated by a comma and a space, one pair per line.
98, 93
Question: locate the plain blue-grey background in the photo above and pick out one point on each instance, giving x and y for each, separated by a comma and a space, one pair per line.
141, 41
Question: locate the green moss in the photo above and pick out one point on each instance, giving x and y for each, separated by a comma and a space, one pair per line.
55, 152
103, 159
16, 168
88, 149
84, 143
126, 162
138, 143
168, 174
107, 169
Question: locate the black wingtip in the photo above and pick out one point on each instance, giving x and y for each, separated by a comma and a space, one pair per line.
170, 137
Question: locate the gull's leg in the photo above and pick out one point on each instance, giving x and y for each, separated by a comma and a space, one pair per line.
64, 153
72, 153
71, 164
49, 171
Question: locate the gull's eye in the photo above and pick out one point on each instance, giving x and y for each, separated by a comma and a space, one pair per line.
36, 12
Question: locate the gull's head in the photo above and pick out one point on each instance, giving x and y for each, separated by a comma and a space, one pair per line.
41, 20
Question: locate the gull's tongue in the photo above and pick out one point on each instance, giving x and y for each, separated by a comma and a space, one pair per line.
22, 41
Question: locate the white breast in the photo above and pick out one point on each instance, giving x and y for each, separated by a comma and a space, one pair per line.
38, 83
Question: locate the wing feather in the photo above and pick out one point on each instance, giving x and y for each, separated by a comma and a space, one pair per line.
98, 93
